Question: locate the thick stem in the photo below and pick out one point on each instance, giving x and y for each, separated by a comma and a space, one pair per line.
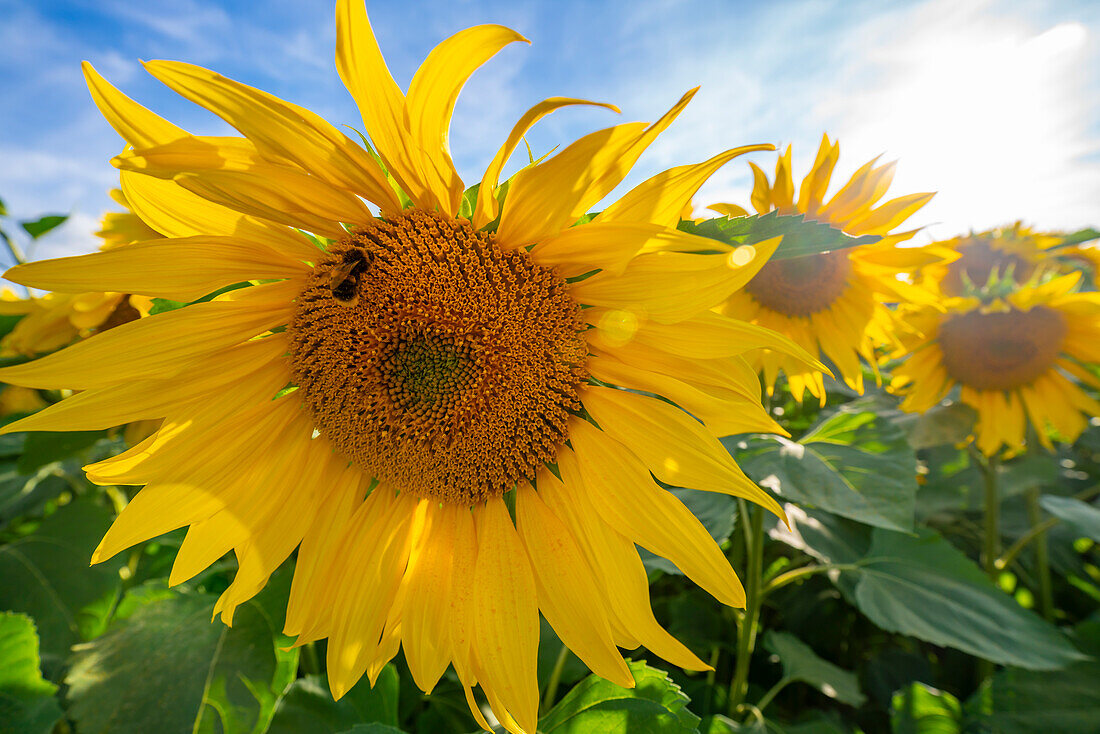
1042, 557
991, 545
771, 694
746, 633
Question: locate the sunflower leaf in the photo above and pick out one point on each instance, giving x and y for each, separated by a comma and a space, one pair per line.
46, 576
27, 702
801, 663
655, 705
307, 705
920, 709
800, 237
1081, 516
853, 463
166, 666
38, 227
921, 586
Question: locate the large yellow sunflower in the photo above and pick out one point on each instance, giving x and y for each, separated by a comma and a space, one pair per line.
1016, 359
376, 399
831, 304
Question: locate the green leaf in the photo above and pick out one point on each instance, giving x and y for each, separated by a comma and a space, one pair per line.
801, 663
1082, 235
939, 425
42, 225
1064, 701
920, 709
853, 463
469, 199
27, 702
1082, 517
716, 511
45, 447
924, 587
3, 209
160, 305
371, 729
719, 724
167, 667
655, 705
800, 238
46, 576
307, 705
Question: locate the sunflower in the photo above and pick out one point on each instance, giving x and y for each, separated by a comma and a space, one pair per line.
385, 402
53, 320
1015, 253
1016, 359
831, 304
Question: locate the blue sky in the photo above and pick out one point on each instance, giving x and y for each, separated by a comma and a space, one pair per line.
992, 104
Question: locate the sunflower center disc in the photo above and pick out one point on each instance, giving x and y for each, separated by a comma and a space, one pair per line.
437, 361
1001, 351
978, 261
800, 286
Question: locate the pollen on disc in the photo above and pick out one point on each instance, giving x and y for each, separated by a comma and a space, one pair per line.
436, 360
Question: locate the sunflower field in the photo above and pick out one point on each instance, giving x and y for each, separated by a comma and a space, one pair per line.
322, 438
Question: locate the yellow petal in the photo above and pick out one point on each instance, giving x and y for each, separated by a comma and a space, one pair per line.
724, 417
890, 215
607, 246
729, 210
434, 91
673, 445
615, 560
569, 596
176, 212
816, 183
506, 617
761, 190
661, 198
376, 549
487, 207
162, 344
281, 130
199, 265
424, 626
381, 103
280, 195
547, 198
137, 126
783, 188
627, 498
672, 286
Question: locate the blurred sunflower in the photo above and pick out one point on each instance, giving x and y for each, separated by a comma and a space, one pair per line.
831, 304
390, 388
1019, 358
1016, 253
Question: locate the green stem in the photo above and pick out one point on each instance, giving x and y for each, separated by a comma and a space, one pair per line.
555, 679
1009, 555
310, 661
991, 535
746, 633
800, 573
1042, 556
772, 693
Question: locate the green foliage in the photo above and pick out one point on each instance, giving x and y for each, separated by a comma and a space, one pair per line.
800, 238
307, 705
27, 703
45, 447
221, 679
853, 463
46, 576
801, 663
655, 705
920, 709
923, 587
1082, 517
38, 227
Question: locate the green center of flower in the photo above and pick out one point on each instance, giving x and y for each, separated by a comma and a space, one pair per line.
439, 362
979, 261
801, 286
1001, 350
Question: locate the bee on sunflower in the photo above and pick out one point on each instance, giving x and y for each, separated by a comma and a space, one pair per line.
832, 304
448, 407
